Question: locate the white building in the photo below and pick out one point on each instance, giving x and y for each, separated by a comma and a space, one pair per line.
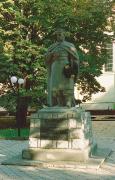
104, 100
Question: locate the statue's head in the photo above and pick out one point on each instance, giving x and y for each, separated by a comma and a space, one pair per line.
60, 34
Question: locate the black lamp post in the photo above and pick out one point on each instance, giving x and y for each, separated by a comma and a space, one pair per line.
17, 82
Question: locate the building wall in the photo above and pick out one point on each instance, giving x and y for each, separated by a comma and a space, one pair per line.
104, 100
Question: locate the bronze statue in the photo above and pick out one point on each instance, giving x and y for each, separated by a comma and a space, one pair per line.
62, 63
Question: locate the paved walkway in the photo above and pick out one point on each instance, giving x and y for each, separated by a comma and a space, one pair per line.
104, 133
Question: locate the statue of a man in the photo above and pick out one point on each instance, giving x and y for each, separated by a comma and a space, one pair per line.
62, 63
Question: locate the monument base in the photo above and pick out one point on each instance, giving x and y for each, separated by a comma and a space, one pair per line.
60, 134
58, 154
96, 161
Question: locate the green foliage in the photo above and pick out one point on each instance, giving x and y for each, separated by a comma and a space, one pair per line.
8, 101
26, 33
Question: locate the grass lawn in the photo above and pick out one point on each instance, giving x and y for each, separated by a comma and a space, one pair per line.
13, 133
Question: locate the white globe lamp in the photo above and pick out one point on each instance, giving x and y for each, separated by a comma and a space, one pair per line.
13, 79
20, 81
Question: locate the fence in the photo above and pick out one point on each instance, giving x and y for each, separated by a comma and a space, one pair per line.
8, 127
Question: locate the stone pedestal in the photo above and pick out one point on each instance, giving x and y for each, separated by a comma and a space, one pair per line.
60, 134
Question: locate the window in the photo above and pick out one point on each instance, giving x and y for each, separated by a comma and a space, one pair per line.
109, 64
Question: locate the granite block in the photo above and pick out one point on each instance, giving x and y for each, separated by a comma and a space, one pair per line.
58, 135
78, 144
54, 123
37, 123
62, 144
76, 133
72, 123
34, 132
34, 142
34, 116
32, 123
48, 144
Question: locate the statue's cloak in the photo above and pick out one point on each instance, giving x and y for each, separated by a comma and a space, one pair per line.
67, 46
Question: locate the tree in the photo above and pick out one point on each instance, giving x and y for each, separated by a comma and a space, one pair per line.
26, 33
22, 50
